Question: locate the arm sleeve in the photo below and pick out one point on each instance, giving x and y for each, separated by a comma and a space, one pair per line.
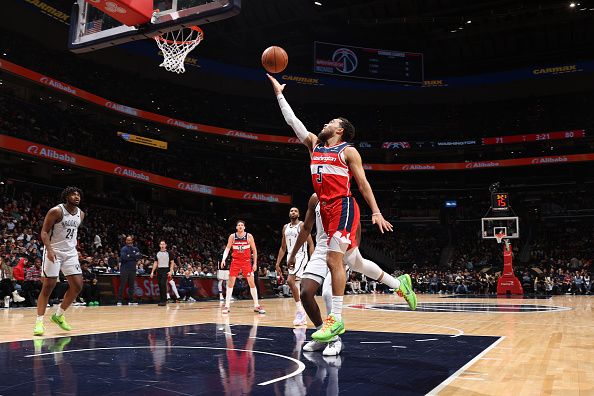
291, 119
225, 254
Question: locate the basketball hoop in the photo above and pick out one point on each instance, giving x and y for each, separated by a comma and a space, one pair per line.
176, 45
499, 236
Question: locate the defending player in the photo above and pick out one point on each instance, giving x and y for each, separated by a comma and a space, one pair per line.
316, 274
58, 234
290, 232
333, 163
243, 246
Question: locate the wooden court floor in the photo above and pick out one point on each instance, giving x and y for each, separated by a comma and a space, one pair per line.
541, 353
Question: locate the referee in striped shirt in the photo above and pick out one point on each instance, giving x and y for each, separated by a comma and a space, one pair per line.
164, 266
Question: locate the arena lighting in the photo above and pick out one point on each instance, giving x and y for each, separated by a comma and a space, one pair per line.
572, 5
469, 21
317, 3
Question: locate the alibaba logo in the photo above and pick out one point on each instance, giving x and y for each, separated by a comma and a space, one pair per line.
33, 150
117, 170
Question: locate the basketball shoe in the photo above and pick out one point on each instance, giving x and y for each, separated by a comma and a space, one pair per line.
332, 327
334, 347
406, 291
300, 319
61, 321
259, 309
39, 328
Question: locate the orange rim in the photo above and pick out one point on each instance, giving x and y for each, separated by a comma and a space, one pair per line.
198, 39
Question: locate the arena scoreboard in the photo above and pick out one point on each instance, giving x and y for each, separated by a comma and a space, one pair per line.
368, 63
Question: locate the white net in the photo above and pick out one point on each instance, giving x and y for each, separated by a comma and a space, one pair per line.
176, 45
499, 237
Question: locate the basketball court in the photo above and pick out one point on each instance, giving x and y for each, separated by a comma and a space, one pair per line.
449, 346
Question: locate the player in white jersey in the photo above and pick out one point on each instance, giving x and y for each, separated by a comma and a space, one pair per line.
290, 233
316, 273
58, 234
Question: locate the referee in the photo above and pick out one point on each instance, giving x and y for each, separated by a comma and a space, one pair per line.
164, 266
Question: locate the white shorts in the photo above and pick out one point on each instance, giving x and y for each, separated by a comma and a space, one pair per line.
316, 268
300, 263
223, 274
67, 262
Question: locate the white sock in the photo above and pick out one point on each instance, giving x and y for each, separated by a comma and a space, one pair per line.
228, 297
60, 311
254, 293
220, 286
389, 280
337, 307
39, 318
299, 306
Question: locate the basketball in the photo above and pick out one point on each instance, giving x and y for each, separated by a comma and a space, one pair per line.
274, 59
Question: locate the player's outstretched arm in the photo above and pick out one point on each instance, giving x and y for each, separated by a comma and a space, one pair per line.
307, 138
353, 160
305, 233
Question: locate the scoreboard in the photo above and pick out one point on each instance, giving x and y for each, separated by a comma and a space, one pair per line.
368, 63
500, 202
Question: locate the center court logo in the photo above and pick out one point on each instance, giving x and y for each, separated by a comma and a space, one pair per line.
118, 170
346, 60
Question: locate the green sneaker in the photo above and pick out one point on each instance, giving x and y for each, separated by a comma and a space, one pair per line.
406, 291
61, 321
96, 303
39, 329
329, 330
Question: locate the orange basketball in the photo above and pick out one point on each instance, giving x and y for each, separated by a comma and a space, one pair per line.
274, 59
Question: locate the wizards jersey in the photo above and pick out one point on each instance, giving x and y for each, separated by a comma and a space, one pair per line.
330, 174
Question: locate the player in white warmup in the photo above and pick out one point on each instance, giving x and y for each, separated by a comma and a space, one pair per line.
316, 274
58, 234
290, 233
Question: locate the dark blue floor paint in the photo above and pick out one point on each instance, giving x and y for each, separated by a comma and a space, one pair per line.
214, 359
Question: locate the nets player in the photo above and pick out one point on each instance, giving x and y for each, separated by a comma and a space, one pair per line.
243, 246
333, 163
58, 234
316, 273
290, 233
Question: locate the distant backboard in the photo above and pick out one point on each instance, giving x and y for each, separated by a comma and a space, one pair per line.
510, 226
91, 29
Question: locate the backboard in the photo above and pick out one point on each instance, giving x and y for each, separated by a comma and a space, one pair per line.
510, 226
91, 29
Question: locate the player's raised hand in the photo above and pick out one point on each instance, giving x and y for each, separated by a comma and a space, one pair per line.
278, 87
383, 224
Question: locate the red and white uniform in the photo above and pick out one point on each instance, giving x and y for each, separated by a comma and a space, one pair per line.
241, 256
339, 211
